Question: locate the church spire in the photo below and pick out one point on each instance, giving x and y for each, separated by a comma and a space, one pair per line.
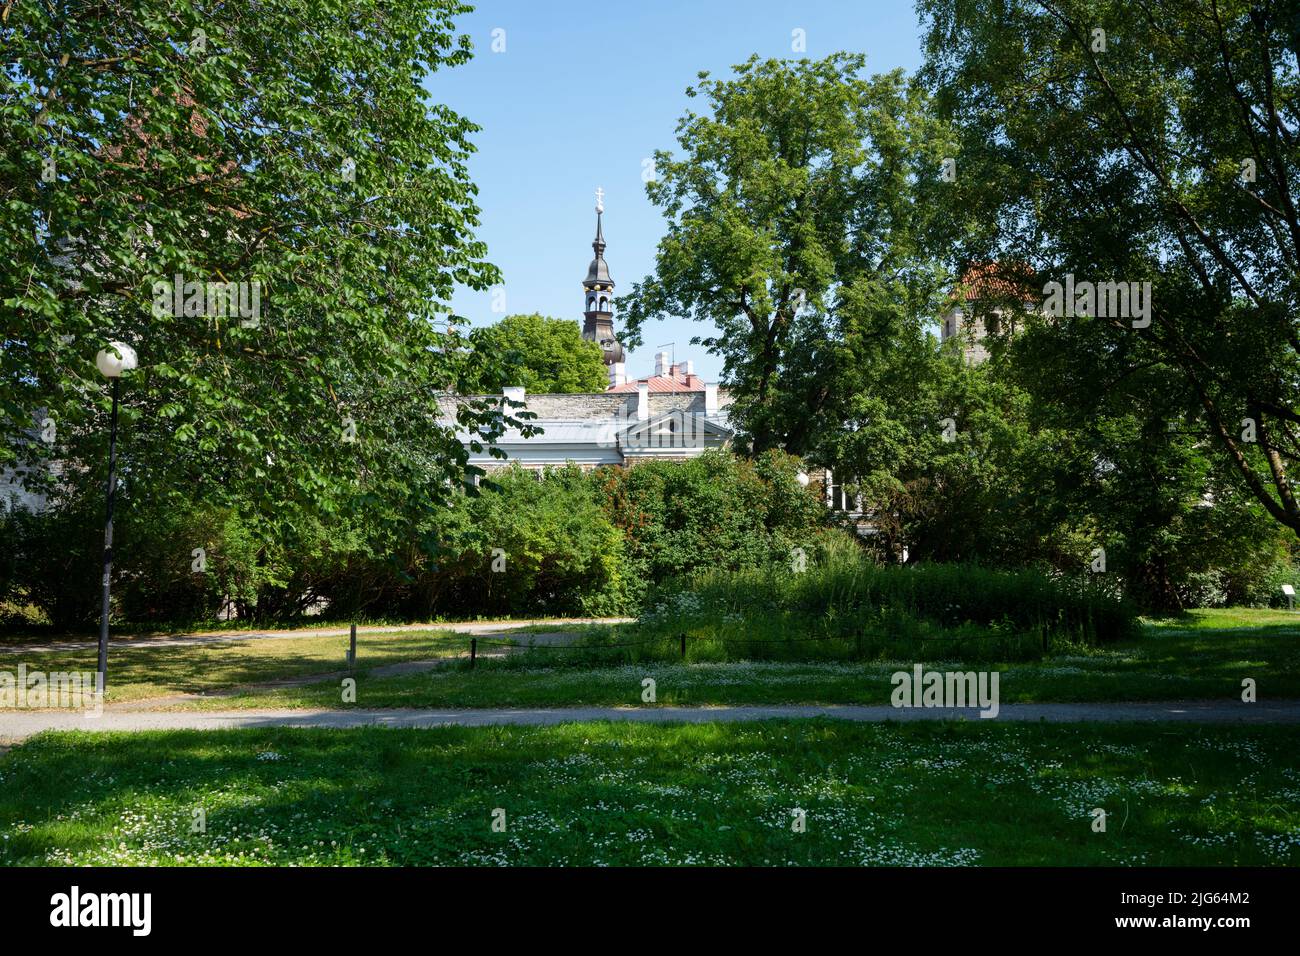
598, 289
599, 245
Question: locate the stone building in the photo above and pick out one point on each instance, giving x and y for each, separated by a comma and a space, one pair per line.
981, 307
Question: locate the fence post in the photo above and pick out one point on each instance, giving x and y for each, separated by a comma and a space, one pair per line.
352, 648
473, 650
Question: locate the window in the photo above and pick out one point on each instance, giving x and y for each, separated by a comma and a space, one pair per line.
841, 499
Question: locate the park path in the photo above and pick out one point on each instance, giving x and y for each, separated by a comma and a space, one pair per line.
18, 724
217, 637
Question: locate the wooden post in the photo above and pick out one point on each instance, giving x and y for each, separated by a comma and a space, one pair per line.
473, 650
352, 648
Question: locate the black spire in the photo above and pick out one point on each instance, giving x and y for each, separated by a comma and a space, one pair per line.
599, 292
598, 271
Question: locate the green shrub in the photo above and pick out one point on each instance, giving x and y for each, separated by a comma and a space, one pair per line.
850, 608
157, 576
1260, 584
53, 561
555, 547
715, 511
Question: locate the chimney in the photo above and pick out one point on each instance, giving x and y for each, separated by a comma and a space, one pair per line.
688, 368
711, 398
661, 363
617, 374
642, 401
516, 393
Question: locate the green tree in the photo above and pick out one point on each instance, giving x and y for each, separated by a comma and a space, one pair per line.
1023, 460
1130, 468
289, 147
527, 542
538, 352
1103, 142
792, 203
939, 451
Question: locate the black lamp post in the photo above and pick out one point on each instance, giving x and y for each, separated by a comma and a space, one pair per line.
111, 362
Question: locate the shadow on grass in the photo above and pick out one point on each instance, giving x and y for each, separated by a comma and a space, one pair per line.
583, 793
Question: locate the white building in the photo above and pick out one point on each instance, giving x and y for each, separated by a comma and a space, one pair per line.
670, 415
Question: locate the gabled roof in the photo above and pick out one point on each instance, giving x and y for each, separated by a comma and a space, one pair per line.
678, 422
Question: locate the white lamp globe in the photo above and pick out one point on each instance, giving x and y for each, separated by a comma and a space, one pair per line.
803, 479
116, 359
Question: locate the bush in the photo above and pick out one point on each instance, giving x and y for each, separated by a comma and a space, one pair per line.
51, 568
572, 543
1259, 583
52, 562
851, 608
715, 511
158, 576
555, 549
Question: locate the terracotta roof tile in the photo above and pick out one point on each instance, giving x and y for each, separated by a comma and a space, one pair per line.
663, 383
991, 279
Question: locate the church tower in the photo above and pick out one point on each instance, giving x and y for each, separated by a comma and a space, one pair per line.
598, 288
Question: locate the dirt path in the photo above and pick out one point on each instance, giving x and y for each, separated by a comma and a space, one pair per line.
217, 637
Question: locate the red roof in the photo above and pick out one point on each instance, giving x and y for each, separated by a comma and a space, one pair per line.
987, 280
675, 381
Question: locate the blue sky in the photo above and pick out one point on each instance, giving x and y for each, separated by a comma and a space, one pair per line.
582, 94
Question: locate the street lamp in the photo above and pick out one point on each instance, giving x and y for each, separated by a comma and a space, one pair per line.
111, 362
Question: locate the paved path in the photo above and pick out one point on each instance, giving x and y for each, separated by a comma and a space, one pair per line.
16, 725
217, 637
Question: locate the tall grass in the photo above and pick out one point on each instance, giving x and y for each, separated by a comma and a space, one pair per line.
853, 609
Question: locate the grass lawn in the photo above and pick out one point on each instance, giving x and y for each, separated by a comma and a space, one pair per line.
603, 793
1202, 655
141, 671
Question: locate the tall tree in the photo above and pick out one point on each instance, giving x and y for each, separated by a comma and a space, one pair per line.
1158, 142
790, 205
538, 352
287, 148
